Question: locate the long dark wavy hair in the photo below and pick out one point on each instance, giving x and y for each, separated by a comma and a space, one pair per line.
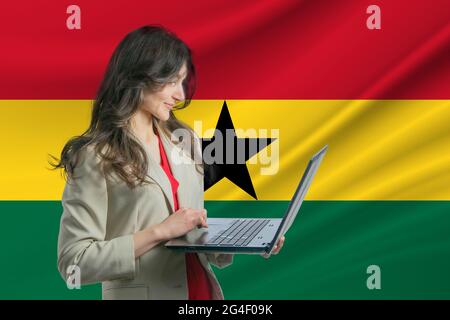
146, 59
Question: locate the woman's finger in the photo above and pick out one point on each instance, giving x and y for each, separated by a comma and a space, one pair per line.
205, 218
279, 245
202, 219
276, 250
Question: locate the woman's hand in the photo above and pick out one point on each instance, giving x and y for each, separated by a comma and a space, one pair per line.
177, 224
182, 221
275, 249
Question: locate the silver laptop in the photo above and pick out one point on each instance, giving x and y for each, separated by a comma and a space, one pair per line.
249, 235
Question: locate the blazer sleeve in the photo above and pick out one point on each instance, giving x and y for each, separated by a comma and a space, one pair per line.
81, 240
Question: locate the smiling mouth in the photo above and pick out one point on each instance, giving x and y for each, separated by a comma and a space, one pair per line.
169, 106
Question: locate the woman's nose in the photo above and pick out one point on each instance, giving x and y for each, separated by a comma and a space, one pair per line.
179, 93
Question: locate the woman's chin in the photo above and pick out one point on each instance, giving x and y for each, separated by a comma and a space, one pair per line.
164, 116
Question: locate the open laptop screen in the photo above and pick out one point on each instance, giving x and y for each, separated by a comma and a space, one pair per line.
299, 195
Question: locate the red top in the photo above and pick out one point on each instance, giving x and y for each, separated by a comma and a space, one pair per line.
198, 284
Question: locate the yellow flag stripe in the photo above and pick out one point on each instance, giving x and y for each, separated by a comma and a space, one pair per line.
378, 149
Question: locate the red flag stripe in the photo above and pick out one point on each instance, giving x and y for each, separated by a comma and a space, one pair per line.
267, 49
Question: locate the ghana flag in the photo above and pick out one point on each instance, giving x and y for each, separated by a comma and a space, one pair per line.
314, 73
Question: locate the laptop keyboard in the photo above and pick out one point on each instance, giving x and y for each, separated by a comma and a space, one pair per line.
239, 234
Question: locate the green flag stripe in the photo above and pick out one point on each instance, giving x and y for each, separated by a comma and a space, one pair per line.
326, 254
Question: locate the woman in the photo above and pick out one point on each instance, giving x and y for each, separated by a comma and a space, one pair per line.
126, 194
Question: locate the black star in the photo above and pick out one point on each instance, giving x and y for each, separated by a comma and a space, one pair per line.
222, 162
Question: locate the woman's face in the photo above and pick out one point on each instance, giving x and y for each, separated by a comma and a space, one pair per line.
160, 103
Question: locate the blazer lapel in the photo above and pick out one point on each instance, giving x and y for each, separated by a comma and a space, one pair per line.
157, 174
178, 165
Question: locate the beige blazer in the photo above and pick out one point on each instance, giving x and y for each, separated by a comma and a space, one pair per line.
100, 216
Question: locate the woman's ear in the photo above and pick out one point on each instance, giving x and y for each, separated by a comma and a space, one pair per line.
142, 95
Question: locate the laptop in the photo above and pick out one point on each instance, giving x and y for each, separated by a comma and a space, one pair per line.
247, 235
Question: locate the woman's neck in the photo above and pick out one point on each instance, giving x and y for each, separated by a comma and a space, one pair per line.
142, 126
